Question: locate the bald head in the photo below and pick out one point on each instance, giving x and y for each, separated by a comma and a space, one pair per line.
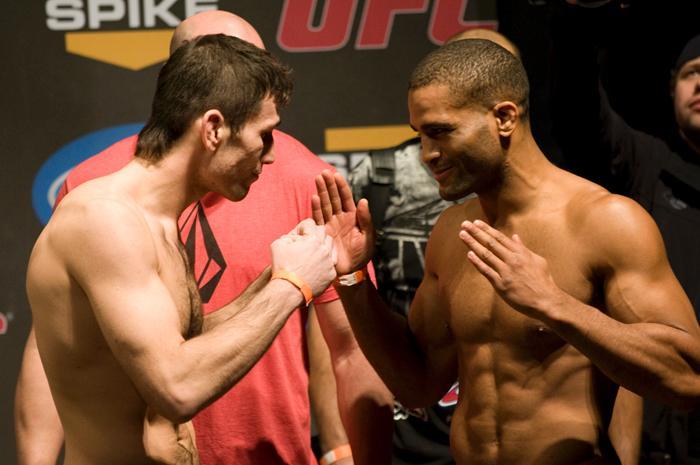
215, 22
487, 34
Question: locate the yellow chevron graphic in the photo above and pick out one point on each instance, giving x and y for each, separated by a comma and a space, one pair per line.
366, 137
132, 50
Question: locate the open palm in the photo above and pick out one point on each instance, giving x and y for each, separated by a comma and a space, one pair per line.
349, 226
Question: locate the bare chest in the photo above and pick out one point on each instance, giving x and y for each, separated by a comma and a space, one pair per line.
477, 315
177, 276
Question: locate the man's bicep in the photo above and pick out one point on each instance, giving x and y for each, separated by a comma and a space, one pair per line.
639, 283
132, 314
118, 270
648, 296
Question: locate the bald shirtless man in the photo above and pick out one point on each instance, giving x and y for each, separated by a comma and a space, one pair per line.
541, 296
118, 323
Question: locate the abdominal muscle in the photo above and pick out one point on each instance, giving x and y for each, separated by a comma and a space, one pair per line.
513, 411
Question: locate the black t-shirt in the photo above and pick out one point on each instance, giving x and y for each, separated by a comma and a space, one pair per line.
664, 177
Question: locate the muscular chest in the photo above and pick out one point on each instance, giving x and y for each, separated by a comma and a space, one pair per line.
477, 315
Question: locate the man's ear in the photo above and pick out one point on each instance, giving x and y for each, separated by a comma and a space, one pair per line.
212, 129
507, 115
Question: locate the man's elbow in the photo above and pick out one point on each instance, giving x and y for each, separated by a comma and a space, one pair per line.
684, 394
177, 402
689, 401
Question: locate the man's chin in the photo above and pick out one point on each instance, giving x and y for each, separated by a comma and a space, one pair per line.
237, 195
453, 195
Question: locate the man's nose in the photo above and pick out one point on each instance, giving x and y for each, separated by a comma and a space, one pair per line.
429, 150
269, 155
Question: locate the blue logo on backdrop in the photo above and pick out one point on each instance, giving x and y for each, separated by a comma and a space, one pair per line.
53, 172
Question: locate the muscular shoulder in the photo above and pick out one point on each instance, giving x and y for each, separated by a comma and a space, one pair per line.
452, 217
618, 230
92, 232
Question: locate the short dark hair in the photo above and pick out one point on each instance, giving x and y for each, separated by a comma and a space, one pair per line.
477, 71
211, 72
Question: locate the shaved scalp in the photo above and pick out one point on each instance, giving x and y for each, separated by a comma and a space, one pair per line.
488, 34
477, 72
214, 22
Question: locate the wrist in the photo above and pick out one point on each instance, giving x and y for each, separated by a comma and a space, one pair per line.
351, 279
335, 455
296, 281
554, 308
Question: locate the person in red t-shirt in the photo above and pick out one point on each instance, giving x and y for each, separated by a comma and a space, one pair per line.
265, 417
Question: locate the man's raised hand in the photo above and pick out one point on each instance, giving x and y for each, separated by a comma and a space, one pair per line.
349, 226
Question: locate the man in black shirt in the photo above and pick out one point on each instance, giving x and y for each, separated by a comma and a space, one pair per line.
662, 175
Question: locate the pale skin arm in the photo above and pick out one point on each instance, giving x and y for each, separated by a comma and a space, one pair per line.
38, 430
178, 377
649, 341
213, 319
365, 404
416, 359
322, 391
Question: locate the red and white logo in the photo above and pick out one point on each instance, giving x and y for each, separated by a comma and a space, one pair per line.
451, 397
3, 323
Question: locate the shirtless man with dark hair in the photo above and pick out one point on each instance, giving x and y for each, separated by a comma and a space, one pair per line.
541, 296
117, 316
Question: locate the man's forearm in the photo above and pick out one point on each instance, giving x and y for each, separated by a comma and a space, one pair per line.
650, 359
364, 402
219, 316
387, 342
322, 388
189, 375
367, 409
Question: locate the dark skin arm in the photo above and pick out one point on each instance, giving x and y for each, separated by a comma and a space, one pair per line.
416, 358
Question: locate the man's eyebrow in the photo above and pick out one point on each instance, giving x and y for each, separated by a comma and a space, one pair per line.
433, 126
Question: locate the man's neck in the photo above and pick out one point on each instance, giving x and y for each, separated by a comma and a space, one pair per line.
163, 188
517, 190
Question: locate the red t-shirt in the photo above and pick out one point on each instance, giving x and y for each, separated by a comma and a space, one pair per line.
264, 419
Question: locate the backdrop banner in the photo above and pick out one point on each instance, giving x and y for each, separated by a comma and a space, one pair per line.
79, 75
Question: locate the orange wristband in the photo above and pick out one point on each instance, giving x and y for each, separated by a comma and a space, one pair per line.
294, 279
356, 277
336, 454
